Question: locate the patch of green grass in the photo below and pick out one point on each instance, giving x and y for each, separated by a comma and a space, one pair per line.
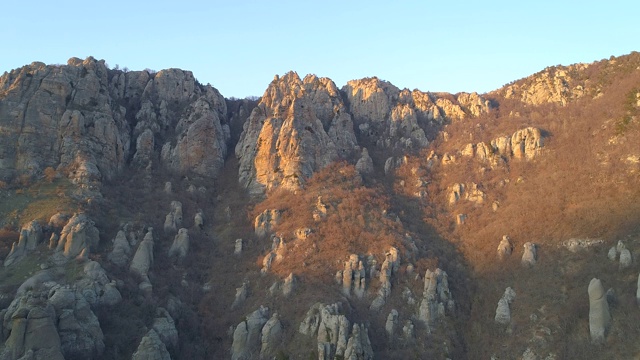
38, 201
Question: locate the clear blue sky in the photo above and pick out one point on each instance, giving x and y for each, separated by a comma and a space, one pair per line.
238, 46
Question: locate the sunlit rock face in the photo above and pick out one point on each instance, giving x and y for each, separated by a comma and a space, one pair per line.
299, 127
89, 121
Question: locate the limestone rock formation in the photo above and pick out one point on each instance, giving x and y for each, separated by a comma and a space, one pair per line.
331, 329
365, 163
237, 250
299, 127
359, 345
121, 250
264, 222
289, 285
151, 348
391, 323
437, 299
30, 236
552, 85
247, 336
353, 277
198, 220
271, 338
505, 248
530, 255
173, 220
79, 234
33, 330
241, 295
503, 311
389, 267
143, 259
599, 317
165, 327
396, 119
180, 246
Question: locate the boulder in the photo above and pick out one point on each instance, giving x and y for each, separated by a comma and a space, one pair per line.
237, 250
504, 248
180, 246
530, 255
625, 259
165, 327
599, 317
503, 311
198, 220
143, 257
365, 163
391, 323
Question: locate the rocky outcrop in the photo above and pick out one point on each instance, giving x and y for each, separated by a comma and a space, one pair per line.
504, 248
329, 327
110, 111
437, 299
524, 144
264, 223
397, 119
530, 255
121, 250
599, 317
165, 327
389, 267
299, 127
143, 259
392, 323
353, 277
503, 311
173, 220
552, 85
180, 246
198, 220
241, 295
33, 331
151, 348
30, 236
365, 163
470, 192
78, 235
247, 336
271, 338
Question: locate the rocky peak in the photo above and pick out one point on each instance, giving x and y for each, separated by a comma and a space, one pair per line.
299, 127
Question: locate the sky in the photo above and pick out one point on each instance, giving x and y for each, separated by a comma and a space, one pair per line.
238, 46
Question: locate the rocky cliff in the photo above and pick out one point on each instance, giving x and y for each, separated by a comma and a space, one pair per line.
89, 122
362, 222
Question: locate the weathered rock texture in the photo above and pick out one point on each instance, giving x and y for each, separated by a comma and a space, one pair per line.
399, 119
180, 246
299, 127
437, 299
95, 119
599, 317
30, 236
331, 329
78, 235
503, 311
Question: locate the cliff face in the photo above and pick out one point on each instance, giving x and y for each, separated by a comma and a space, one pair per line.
88, 121
299, 127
